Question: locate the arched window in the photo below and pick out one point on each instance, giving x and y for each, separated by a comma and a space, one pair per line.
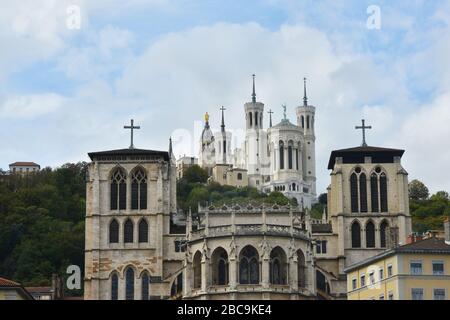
114, 231
239, 176
277, 266
356, 235
354, 192
383, 193
301, 269
220, 266
197, 270
256, 118
307, 122
383, 233
129, 284
281, 144
118, 194
370, 235
290, 157
296, 158
303, 121
363, 192
374, 192
139, 190
143, 231
114, 287
145, 285
249, 266
251, 118
128, 231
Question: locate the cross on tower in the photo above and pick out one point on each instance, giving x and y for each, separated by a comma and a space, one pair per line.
132, 127
270, 112
363, 127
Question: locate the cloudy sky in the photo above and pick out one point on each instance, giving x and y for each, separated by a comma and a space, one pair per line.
67, 89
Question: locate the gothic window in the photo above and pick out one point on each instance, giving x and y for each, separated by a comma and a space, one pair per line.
354, 192
363, 192
129, 284
303, 121
374, 192
256, 118
358, 191
281, 144
128, 231
356, 235
307, 122
290, 157
370, 235
145, 284
118, 195
301, 269
383, 229
139, 190
114, 287
277, 266
114, 231
249, 266
220, 265
383, 193
197, 262
143, 231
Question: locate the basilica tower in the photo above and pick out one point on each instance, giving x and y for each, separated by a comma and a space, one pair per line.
207, 147
305, 120
255, 149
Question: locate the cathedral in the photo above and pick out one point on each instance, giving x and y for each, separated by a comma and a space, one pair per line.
281, 158
137, 249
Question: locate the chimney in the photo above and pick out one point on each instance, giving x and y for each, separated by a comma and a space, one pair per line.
447, 231
414, 237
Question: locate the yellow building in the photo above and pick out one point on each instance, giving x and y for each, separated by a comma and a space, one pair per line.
225, 174
415, 271
10, 290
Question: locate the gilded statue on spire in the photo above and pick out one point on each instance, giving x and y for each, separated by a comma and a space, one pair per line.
206, 117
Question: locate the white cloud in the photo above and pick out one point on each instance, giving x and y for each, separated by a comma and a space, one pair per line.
30, 106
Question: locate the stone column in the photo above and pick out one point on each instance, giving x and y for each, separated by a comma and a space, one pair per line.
205, 273
293, 272
233, 276
265, 277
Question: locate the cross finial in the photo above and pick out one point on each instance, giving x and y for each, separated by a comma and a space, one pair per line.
132, 127
284, 110
270, 112
254, 93
363, 127
223, 121
305, 98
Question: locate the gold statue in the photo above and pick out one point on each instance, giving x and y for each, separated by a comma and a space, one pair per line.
206, 117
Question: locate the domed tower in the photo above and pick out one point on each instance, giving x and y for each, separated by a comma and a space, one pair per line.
305, 120
255, 150
207, 150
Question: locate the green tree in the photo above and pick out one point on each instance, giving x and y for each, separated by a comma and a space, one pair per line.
195, 174
418, 190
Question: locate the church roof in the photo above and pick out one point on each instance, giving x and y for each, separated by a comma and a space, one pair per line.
129, 152
285, 123
357, 154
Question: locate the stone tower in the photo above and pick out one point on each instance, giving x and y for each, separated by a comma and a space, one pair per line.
255, 149
130, 251
305, 120
223, 144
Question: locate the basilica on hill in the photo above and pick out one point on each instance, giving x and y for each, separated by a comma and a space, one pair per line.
281, 158
135, 249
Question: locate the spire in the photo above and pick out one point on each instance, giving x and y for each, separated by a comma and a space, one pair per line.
170, 146
253, 94
305, 98
206, 120
270, 117
223, 121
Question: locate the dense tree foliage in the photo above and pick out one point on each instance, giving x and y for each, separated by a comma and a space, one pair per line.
42, 223
428, 213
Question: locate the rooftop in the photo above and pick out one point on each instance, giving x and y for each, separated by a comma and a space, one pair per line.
8, 283
129, 152
24, 164
357, 154
431, 245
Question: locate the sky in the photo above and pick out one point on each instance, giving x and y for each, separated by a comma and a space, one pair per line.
73, 73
